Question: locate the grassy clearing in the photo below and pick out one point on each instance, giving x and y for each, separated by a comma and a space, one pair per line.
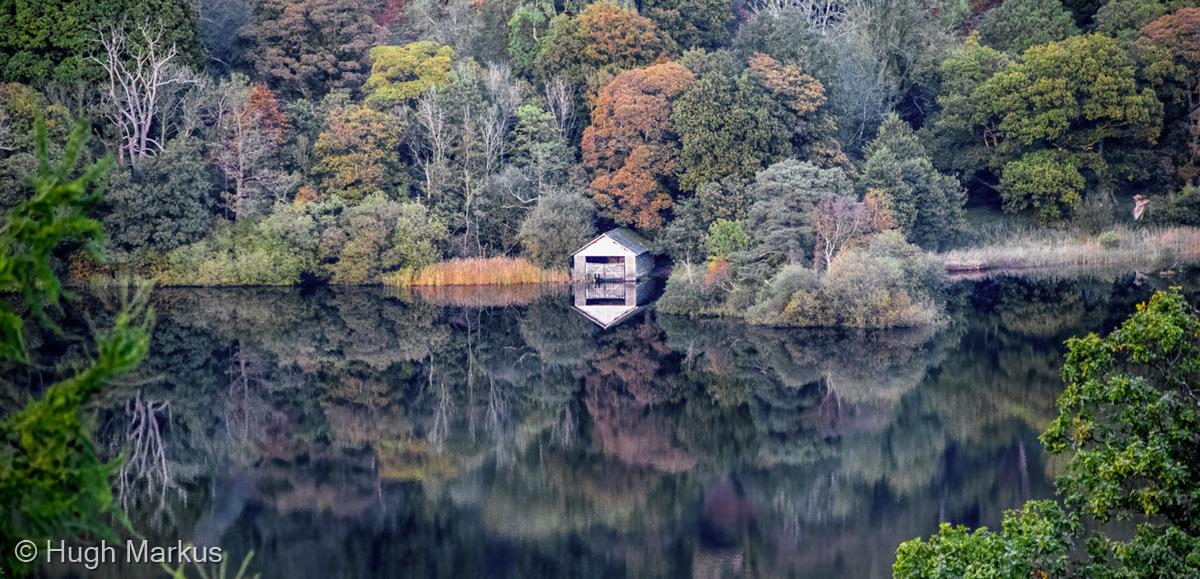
1007, 249
478, 271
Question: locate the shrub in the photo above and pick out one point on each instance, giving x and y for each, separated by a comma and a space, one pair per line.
888, 284
1109, 240
277, 250
688, 294
1179, 208
376, 237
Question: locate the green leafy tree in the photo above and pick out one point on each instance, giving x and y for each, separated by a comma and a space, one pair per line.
1045, 183
20, 108
50, 40
1015, 25
926, 204
691, 23
1033, 542
1078, 98
169, 202
1078, 95
560, 223
726, 238
954, 131
1128, 417
784, 198
379, 236
399, 74
527, 27
588, 49
540, 147
1124, 19
728, 127
52, 483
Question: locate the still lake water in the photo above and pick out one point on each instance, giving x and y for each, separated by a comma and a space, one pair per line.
362, 433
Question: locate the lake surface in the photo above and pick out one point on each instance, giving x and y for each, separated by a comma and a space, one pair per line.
363, 433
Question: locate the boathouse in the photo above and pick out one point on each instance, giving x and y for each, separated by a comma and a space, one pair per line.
616, 255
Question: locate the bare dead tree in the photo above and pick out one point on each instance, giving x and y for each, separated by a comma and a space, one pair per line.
140, 71
838, 222
822, 14
560, 101
431, 146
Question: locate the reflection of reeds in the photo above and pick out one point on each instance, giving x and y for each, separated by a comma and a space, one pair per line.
478, 271
487, 296
1051, 248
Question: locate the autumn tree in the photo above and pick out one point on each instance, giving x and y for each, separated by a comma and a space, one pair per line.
250, 130
311, 47
400, 74
814, 132
630, 146
1170, 47
357, 153
599, 42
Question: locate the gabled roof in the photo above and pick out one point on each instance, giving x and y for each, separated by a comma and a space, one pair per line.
624, 236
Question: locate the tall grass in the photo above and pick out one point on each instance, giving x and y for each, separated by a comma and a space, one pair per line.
478, 271
1006, 248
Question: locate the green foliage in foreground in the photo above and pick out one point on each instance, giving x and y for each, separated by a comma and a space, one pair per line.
52, 483
1130, 416
1033, 540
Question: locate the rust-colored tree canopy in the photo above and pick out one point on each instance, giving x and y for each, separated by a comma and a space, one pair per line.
800, 93
1180, 33
630, 145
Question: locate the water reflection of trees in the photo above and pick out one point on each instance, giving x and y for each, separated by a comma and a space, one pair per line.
341, 431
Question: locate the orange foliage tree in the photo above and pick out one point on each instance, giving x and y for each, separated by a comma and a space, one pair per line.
630, 146
803, 96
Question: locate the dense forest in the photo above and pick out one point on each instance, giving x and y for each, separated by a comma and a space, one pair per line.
761, 145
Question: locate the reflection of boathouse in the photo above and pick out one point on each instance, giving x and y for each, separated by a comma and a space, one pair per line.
616, 255
609, 303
